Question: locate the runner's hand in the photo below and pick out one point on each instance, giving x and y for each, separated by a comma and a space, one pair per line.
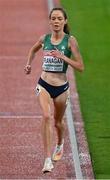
57, 53
27, 69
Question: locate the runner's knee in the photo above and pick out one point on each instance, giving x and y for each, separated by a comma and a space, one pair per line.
46, 116
59, 125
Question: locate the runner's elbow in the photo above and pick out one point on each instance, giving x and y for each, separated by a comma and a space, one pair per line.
81, 68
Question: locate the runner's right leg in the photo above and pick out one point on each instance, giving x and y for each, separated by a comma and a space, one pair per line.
45, 100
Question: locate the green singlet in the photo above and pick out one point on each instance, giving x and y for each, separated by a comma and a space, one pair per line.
50, 63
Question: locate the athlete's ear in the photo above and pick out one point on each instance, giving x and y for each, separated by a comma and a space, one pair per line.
65, 21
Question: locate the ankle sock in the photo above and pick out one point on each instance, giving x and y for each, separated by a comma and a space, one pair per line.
48, 158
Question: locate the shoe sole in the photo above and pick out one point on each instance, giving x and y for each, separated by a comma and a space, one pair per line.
47, 170
57, 159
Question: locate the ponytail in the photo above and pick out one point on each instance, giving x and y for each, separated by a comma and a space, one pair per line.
66, 29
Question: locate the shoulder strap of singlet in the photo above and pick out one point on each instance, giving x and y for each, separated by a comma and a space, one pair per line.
46, 37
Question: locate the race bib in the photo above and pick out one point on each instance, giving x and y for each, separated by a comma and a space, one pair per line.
52, 64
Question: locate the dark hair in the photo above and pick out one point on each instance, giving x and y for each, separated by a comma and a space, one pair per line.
66, 27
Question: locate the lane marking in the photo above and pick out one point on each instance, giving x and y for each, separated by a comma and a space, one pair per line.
50, 5
71, 127
19, 116
74, 146
12, 57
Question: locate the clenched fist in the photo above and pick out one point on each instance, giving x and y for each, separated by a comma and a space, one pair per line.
27, 69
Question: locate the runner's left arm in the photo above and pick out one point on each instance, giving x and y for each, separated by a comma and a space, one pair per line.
77, 61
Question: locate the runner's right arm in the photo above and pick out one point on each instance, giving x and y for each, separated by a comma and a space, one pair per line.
32, 52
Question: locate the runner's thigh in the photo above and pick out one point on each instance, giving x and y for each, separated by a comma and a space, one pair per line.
60, 105
44, 100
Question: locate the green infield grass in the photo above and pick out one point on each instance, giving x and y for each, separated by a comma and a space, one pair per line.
90, 23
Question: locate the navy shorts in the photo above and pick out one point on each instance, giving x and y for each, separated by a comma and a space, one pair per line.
54, 91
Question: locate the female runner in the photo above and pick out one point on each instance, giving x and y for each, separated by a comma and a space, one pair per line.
58, 46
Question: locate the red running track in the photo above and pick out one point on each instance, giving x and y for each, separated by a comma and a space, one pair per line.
21, 149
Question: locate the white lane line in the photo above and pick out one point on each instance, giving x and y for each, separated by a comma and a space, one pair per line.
74, 146
50, 5
71, 127
12, 57
20, 116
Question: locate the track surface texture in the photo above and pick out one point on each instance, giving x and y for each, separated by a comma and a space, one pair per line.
21, 148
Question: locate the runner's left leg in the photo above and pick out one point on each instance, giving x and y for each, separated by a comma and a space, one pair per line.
59, 109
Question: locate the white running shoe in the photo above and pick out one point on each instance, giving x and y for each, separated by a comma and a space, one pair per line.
48, 166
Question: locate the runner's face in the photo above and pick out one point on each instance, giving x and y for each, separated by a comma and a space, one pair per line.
57, 21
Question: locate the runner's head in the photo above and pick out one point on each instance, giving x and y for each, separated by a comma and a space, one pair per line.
58, 19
